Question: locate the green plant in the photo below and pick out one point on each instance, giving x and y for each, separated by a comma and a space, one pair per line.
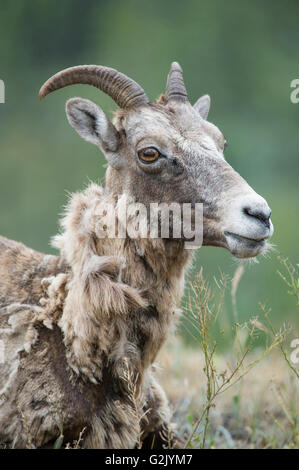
202, 311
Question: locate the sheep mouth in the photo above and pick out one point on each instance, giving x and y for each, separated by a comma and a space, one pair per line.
245, 247
241, 238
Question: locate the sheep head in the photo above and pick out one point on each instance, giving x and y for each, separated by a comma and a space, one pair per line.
167, 152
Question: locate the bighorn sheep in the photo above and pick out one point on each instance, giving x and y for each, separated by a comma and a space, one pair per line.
80, 332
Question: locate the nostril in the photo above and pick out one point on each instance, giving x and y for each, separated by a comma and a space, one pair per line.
264, 217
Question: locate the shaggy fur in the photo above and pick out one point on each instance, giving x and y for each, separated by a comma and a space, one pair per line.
81, 339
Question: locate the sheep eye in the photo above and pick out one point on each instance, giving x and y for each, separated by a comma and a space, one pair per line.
225, 144
149, 155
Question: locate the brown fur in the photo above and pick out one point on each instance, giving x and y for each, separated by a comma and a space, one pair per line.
74, 375
80, 332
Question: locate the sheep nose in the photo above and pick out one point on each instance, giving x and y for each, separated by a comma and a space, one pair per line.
263, 215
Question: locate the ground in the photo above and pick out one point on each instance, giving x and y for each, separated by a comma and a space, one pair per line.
260, 411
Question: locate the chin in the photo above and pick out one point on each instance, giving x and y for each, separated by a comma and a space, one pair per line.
242, 247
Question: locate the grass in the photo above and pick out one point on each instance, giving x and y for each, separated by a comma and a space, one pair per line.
245, 397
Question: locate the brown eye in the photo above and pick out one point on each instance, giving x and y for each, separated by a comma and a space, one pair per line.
225, 144
149, 155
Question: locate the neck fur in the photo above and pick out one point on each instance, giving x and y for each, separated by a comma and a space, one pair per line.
123, 294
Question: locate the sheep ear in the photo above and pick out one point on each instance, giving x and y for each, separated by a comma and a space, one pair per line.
93, 125
202, 106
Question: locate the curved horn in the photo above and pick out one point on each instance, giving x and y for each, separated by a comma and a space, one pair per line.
175, 88
123, 90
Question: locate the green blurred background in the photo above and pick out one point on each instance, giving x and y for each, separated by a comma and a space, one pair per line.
244, 54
